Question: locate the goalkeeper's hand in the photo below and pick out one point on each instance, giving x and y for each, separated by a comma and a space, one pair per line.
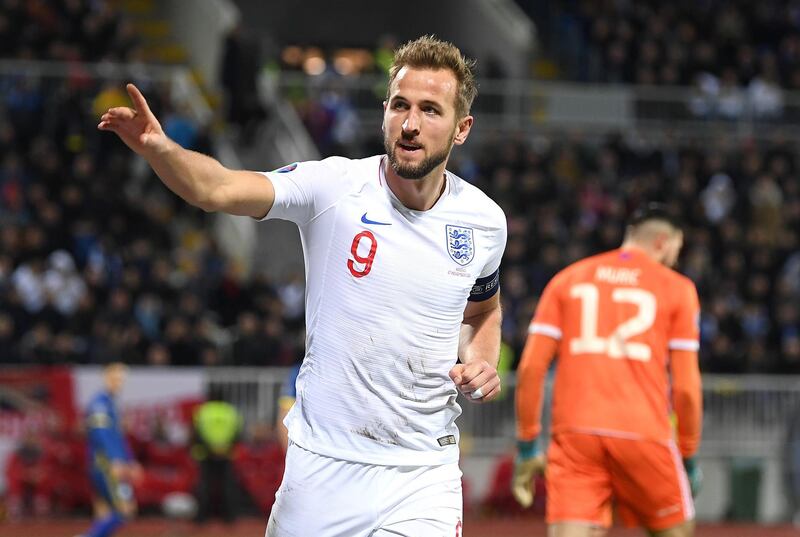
529, 463
695, 475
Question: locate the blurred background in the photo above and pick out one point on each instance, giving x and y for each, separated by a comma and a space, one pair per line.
586, 109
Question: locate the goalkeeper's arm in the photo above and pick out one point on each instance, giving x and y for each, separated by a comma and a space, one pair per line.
536, 357
687, 402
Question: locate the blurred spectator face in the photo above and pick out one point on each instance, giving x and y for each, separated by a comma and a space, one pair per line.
419, 121
120, 301
35, 239
9, 238
158, 354
248, 323
209, 357
788, 315
177, 329
273, 328
83, 166
758, 286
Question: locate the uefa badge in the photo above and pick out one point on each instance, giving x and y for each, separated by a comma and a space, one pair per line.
460, 244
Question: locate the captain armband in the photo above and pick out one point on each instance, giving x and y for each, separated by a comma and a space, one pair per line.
485, 288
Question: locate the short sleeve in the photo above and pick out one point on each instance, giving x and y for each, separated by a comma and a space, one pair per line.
498, 247
303, 190
684, 331
488, 282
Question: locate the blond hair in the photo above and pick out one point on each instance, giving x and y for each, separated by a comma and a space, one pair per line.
427, 52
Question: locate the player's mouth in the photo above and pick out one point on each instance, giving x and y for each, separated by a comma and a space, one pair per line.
408, 147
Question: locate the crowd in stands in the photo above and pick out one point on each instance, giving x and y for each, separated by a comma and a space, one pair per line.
737, 56
65, 30
671, 43
99, 262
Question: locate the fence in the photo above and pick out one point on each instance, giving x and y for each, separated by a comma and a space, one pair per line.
744, 416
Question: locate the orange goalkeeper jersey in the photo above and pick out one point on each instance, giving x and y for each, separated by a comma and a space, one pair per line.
616, 316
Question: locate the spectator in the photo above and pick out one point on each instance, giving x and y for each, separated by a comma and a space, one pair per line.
217, 430
238, 74
29, 476
249, 347
63, 286
718, 198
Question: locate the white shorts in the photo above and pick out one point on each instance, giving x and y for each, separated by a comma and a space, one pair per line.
327, 497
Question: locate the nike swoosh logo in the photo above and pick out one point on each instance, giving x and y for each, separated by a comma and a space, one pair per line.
368, 221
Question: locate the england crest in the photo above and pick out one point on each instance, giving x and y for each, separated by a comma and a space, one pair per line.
460, 244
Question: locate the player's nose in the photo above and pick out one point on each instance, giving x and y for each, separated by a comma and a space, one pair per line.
411, 123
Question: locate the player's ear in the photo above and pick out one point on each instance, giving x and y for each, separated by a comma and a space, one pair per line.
462, 130
662, 241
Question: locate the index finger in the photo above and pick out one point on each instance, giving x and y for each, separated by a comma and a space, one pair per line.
139, 102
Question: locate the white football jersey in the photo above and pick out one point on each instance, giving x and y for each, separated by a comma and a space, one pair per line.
386, 288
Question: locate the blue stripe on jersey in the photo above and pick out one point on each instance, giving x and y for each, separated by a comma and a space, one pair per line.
485, 287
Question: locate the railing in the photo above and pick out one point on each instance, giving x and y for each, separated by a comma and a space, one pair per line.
538, 107
182, 85
744, 416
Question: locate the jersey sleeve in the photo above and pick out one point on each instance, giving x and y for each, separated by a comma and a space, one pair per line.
303, 190
684, 332
548, 319
497, 248
488, 282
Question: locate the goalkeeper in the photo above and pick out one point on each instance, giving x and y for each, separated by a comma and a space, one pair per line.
624, 325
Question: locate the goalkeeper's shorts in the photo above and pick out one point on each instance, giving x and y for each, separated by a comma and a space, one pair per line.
588, 474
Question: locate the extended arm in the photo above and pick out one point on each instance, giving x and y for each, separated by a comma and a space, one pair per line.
200, 180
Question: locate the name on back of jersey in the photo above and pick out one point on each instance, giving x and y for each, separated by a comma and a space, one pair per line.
617, 275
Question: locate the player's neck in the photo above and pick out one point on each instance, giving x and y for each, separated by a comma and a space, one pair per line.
416, 194
633, 246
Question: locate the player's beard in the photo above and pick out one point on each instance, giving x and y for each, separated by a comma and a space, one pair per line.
415, 172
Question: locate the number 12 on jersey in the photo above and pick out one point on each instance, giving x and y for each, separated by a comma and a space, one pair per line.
615, 345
